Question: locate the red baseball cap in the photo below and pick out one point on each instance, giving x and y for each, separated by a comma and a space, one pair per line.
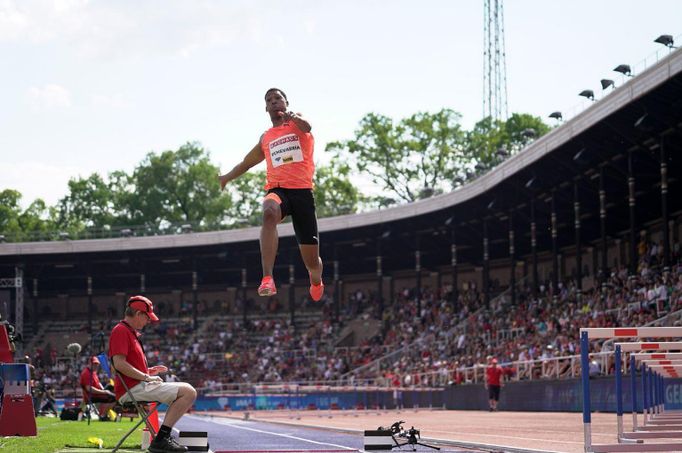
144, 305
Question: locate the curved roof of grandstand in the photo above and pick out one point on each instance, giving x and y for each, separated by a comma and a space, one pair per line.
605, 131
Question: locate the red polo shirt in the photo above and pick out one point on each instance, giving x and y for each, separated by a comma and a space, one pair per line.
124, 341
86, 382
493, 375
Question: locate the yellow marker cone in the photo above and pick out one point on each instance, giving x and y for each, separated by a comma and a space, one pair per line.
96, 441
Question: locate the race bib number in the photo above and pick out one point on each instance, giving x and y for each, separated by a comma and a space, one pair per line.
285, 150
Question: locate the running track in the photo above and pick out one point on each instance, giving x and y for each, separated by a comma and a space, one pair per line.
258, 437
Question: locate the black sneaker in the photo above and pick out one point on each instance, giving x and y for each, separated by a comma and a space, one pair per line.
167, 445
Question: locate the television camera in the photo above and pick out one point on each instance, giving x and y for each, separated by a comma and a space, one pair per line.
12, 335
8, 338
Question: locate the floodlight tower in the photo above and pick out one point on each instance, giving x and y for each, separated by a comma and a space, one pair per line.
494, 61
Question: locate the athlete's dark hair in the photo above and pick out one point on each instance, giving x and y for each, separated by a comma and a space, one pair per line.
277, 89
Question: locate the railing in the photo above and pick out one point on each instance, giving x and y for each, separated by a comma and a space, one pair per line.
121, 231
546, 368
564, 367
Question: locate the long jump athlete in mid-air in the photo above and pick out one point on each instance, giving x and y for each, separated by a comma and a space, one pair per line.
287, 148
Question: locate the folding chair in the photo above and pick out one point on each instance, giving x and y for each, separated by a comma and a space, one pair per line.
89, 407
125, 410
142, 412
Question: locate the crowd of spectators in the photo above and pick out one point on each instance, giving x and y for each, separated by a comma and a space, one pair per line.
540, 326
428, 344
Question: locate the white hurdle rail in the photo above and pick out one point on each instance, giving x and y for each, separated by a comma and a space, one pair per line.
625, 439
632, 332
657, 355
651, 346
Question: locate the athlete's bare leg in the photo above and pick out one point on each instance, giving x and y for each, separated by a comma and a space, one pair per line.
269, 239
311, 258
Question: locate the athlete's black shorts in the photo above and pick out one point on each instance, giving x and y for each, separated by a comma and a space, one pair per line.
300, 205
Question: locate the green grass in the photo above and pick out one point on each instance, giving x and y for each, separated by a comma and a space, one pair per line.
54, 435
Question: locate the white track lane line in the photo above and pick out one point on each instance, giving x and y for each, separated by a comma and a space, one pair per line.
288, 436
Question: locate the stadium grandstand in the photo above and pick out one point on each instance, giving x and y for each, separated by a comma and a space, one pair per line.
579, 229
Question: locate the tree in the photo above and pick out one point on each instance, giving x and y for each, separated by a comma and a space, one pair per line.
415, 158
10, 211
247, 194
490, 141
90, 203
122, 194
334, 193
37, 219
165, 191
429, 153
18, 225
177, 187
420, 152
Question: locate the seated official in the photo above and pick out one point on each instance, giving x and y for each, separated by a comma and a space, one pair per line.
129, 361
93, 389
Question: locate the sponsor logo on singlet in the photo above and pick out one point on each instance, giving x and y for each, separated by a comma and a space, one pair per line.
285, 150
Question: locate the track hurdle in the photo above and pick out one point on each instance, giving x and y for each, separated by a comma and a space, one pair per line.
654, 428
658, 425
610, 333
665, 365
659, 365
664, 368
645, 357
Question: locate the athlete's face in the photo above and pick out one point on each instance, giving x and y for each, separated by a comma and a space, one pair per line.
275, 103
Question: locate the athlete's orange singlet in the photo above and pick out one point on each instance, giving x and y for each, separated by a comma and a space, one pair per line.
288, 153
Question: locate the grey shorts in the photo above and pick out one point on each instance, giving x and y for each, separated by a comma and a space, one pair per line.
164, 392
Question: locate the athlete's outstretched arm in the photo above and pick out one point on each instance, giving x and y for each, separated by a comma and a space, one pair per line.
254, 157
298, 119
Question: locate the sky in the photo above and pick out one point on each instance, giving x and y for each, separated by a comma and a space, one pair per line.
93, 86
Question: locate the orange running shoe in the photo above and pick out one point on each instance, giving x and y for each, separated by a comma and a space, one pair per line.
267, 287
316, 291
